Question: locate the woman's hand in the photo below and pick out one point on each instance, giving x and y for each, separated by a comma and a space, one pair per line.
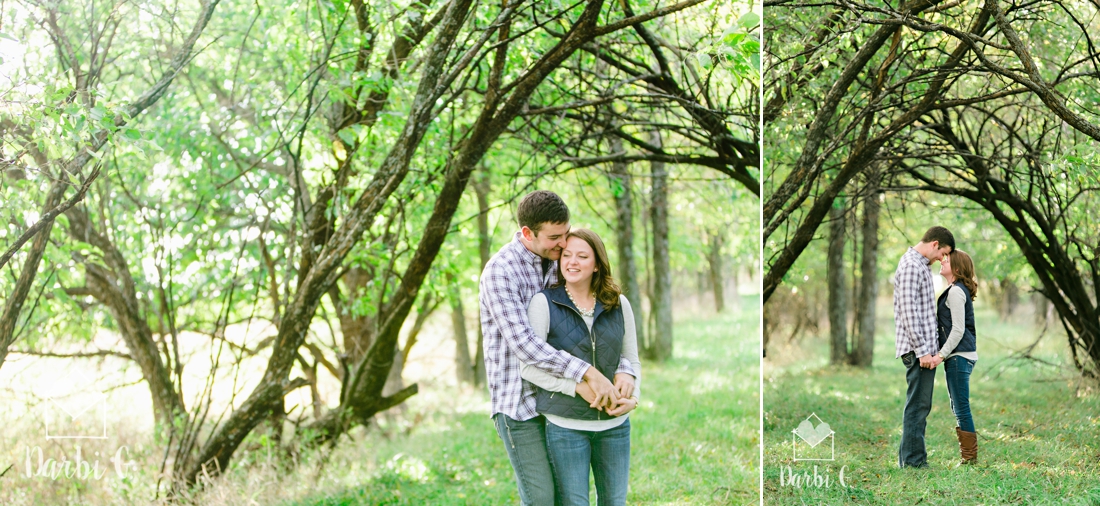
623, 406
587, 393
624, 384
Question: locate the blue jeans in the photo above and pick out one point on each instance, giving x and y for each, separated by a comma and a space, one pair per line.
958, 369
525, 443
606, 452
918, 403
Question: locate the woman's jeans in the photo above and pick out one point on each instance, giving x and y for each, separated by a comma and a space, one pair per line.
958, 369
607, 453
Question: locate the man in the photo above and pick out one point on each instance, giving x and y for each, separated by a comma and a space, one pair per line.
915, 338
522, 268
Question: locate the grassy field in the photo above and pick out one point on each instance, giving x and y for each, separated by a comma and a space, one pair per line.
694, 438
1038, 425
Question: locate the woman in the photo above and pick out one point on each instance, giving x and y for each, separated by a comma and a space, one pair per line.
586, 315
958, 346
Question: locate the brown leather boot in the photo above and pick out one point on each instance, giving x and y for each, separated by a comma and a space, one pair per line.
968, 446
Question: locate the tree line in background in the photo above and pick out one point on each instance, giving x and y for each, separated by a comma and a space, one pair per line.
985, 105
174, 169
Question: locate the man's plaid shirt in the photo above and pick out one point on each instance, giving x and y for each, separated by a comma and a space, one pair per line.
510, 280
914, 306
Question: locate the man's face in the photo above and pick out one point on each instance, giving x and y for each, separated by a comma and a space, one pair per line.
549, 241
938, 251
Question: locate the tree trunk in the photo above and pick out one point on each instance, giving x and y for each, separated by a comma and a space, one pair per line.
838, 320
1010, 298
868, 280
464, 370
622, 188
113, 285
14, 302
714, 258
660, 346
735, 284
484, 243
1042, 307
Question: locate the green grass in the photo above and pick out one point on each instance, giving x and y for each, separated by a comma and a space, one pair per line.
694, 439
1038, 425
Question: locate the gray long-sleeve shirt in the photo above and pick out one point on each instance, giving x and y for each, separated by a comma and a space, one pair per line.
956, 302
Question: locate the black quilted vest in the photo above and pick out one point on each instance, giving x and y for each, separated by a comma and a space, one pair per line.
943, 315
602, 348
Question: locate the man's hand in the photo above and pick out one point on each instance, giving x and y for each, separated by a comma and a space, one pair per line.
586, 393
928, 362
623, 406
604, 390
624, 384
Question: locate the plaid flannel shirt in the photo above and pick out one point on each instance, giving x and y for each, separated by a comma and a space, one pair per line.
914, 306
510, 280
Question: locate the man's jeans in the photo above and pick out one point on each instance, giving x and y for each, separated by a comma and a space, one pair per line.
958, 371
606, 452
525, 443
918, 403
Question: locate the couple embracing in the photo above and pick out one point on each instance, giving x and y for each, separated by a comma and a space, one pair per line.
561, 358
931, 331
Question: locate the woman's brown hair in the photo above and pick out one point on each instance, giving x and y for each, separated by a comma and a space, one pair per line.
603, 284
963, 269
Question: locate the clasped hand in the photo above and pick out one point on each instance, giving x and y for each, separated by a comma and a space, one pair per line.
614, 399
930, 361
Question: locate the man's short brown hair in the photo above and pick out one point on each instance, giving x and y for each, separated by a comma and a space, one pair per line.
940, 234
540, 207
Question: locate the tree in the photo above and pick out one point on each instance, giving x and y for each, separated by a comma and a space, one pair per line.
878, 83
82, 116
838, 296
863, 352
659, 346
622, 185
484, 249
716, 240
464, 369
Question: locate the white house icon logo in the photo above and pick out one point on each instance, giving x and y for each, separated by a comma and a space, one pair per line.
74, 408
806, 438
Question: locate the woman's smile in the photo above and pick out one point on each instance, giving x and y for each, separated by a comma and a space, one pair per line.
578, 261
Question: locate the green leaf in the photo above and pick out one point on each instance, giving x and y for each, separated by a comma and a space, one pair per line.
704, 60
347, 135
749, 20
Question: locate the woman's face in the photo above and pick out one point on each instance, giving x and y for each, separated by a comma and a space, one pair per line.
578, 261
945, 267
